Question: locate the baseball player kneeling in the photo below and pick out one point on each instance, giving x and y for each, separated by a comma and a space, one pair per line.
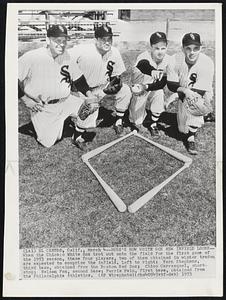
102, 65
45, 78
149, 79
190, 74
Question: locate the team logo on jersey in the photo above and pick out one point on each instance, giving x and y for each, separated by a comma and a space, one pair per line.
110, 68
66, 75
193, 79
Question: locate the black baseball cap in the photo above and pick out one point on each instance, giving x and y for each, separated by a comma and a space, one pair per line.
57, 31
102, 31
158, 37
191, 39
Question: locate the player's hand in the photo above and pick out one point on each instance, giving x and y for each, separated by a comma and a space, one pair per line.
34, 106
89, 94
92, 100
37, 107
208, 97
157, 75
139, 89
88, 107
189, 94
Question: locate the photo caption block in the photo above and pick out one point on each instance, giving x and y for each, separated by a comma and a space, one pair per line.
120, 262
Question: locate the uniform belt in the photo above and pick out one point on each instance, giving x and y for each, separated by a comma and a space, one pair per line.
53, 101
94, 87
101, 86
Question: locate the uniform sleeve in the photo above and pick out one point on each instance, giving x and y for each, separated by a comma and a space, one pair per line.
119, 66
205, 77
74, 70
140, 57
75, 52
158, 85
24, 67
171, 72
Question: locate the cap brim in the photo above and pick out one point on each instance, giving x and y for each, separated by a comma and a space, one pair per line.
106, 35
159, 41
64, 35
59, 35
192, 43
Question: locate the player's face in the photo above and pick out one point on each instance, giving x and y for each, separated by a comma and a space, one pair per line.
191, 53
57, 45
104, 44
158, 51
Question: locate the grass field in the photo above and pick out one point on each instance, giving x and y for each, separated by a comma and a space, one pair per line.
63, 205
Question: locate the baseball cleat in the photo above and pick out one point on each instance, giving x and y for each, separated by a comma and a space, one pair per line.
80, 143
134, 127
118, 129
209, 118
154, 130
191, 148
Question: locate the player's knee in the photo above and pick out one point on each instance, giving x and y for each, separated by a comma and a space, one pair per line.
46, 144
45, 141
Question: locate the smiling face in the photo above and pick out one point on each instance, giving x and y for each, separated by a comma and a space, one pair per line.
104, 44
158, 51
191, 53
57, 45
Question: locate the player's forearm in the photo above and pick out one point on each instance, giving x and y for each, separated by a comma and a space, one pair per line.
183, 90
200, 92
20, 90
157, 85
176, 88
80, 85
173, 86
24, 96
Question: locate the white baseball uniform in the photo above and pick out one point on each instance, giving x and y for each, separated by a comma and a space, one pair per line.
97, 69
49, 79
153, 100
198, 76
